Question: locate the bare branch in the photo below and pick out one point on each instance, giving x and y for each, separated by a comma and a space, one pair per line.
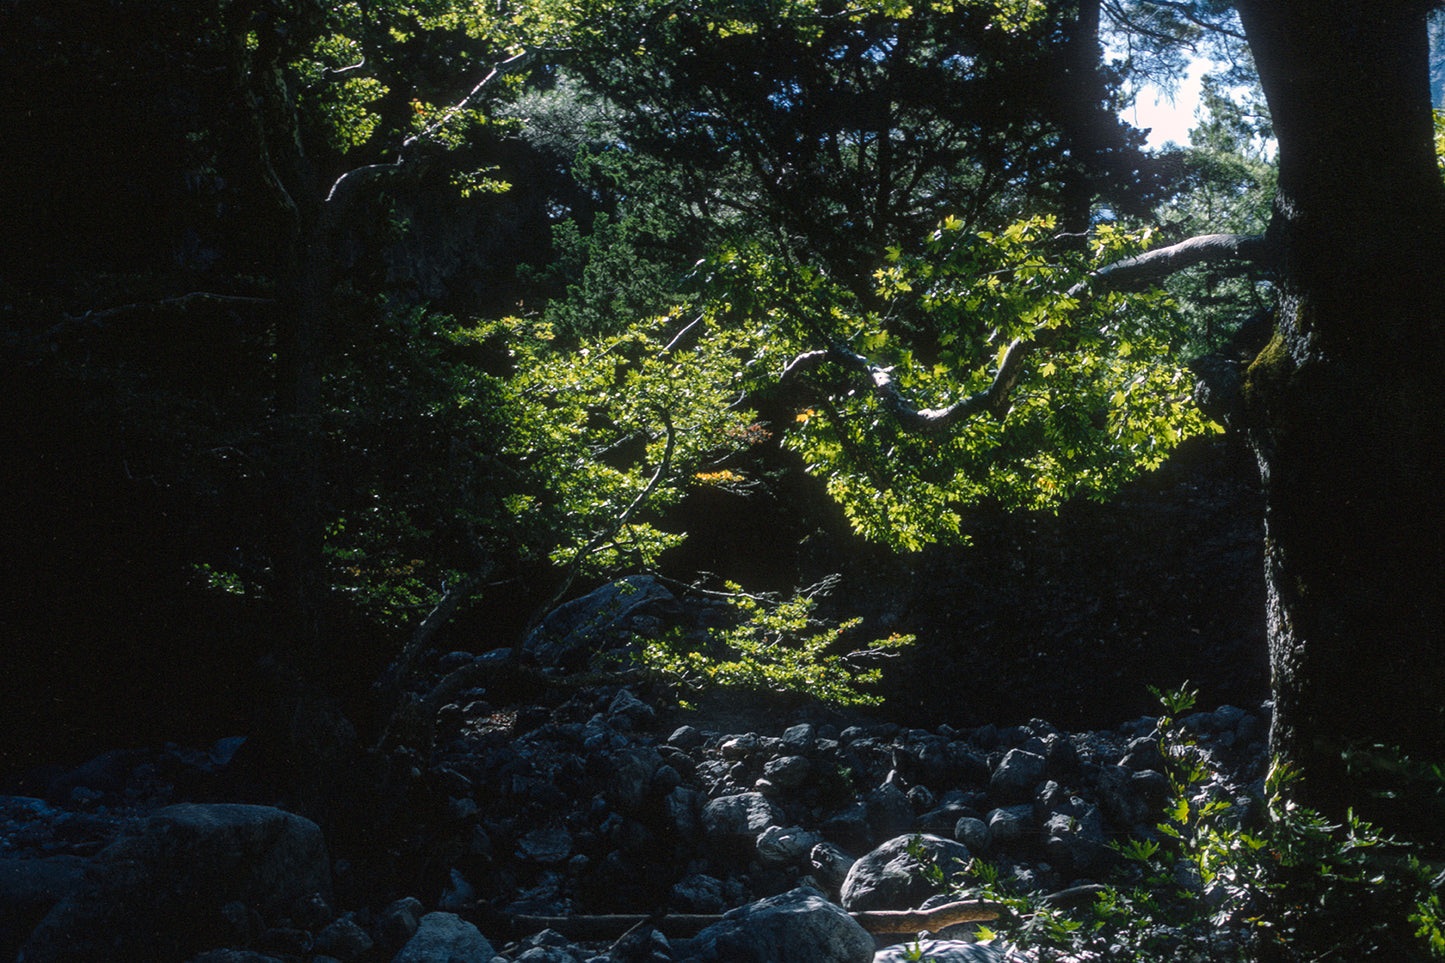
1131, 273
1140, 270
345, 188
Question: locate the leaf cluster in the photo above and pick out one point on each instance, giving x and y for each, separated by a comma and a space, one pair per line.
774, 646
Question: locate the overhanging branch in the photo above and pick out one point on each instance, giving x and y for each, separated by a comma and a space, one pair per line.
345, 188
1129, 274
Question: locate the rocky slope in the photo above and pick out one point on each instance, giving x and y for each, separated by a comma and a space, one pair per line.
531, 818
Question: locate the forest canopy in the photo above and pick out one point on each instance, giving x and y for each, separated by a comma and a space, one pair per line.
332, 307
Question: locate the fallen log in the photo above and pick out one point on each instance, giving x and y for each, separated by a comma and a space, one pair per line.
685, 925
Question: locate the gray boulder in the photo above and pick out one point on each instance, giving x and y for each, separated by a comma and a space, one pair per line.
158, 893
799, 926
889, 811
1007, 824
973, 833
732, 824
444, 937
891, 877
1121, 797
1075, 840
787, 772
1017, 775
600, 620
785, 847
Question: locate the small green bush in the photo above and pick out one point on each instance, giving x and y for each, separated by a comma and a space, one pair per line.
1213, 884
776, 646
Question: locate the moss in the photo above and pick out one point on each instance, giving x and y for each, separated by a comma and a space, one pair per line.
1270, 371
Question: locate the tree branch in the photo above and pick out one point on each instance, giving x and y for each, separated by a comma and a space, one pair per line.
1131, 273
345, 188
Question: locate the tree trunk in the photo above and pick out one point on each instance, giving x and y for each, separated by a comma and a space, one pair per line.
1343, 406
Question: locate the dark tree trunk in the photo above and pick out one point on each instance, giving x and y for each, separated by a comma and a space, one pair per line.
1344, 406
1083, 94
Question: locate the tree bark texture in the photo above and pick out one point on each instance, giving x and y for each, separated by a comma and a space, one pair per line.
1343, 406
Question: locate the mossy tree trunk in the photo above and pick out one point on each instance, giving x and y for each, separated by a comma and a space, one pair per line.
1343, 407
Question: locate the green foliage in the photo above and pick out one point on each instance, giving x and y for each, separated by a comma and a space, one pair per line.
777, 647
1100, 406
1440, 139
825, 132
468, 442
1292, 886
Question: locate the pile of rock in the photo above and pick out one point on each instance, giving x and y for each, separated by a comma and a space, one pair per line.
596, 803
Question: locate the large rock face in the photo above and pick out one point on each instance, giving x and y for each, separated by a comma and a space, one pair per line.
603, 619
799, 926
160, 893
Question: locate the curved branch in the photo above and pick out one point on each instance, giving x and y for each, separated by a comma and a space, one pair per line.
345, 188
1131, 273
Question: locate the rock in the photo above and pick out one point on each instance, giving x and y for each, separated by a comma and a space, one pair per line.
738, 748
626, 711
849, 827
1121, 798
680, 810
600, 620
28, 889
891, 877
699, 893
629, 779
442, 938
787, 772
343, 939
941, 951
733, 823
400, 921
1006, 825
799, 926
973, 833
785, 847
685, 738
1143, 754
1076, 841
158, 892
830, 865
889, 812
545, 954
550, 844
802, 738
1016, 776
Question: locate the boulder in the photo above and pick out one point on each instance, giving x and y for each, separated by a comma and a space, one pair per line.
1016, 776
1007, 824
158, 893
787, 772
799, 926
785, 847
1075, 839
732, 824
889, 811
603, 619
892, 877
28, 890
443, 937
